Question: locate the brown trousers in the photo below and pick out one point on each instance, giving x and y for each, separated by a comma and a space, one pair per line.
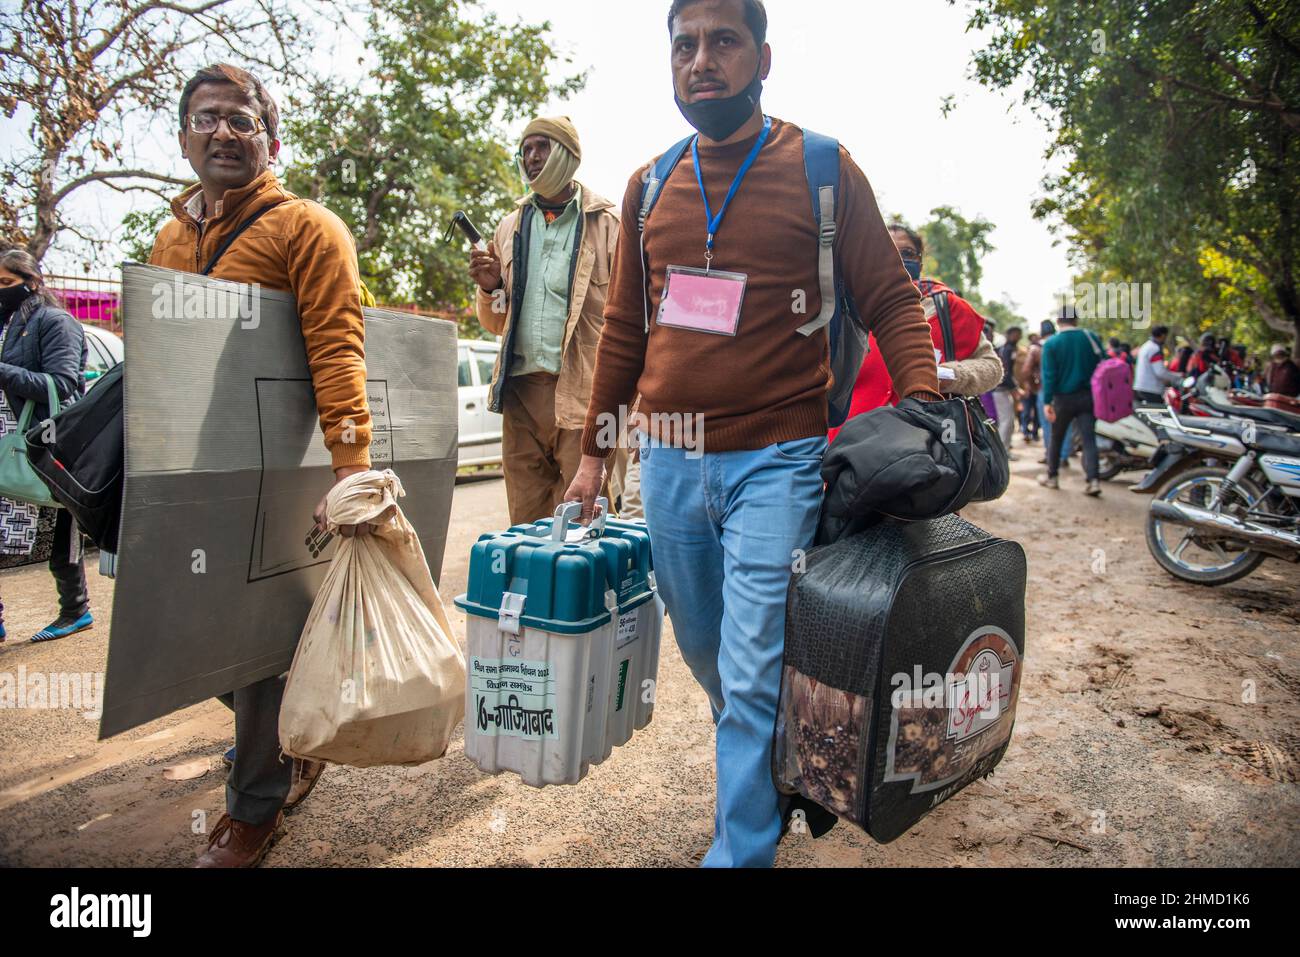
539, 458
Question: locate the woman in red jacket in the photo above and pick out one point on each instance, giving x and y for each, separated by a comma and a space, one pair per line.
977, 368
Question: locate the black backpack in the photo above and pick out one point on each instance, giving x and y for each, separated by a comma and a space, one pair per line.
83, 465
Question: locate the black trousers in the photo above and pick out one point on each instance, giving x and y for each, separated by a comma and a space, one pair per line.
260, 779
1074, 407
1149, 398
67, 568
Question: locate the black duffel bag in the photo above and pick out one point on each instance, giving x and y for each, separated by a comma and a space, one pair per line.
994, 463
83, 465
911, 462
904, 652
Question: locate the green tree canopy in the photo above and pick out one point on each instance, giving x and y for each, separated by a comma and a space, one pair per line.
421, 137
1178, 122
954, 246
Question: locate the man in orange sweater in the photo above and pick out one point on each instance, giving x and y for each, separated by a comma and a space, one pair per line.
735, 423
228, 134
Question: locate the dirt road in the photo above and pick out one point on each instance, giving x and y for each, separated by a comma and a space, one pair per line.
1159, 724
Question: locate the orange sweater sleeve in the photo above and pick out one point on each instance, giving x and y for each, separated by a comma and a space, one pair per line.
326, 281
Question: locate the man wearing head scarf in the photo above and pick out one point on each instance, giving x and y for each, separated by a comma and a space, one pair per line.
542, 286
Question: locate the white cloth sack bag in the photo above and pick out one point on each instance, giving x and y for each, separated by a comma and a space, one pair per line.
378, 678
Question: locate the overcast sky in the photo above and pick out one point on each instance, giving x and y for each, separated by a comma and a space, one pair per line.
874, 74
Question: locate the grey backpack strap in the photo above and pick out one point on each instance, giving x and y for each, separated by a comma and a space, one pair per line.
821, 160
825, 262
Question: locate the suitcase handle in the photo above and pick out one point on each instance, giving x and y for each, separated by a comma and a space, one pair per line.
566, 513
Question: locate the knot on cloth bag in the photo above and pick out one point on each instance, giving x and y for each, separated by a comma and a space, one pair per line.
367, 497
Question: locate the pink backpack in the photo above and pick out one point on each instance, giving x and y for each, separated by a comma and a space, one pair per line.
1112, 390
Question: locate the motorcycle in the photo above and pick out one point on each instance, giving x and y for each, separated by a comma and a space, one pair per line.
1215, 524
1195, 396
1127, 445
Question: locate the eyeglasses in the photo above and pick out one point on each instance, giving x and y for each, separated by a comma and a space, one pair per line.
241, 124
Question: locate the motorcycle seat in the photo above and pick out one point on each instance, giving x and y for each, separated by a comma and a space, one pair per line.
1258, 414
1232, 427
1278, 443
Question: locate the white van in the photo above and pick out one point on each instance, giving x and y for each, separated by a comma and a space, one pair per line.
480, 430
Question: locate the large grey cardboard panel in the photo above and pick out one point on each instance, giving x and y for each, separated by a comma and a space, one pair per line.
225, 463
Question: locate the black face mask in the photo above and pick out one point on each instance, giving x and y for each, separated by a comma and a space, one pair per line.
719, 119
11, 297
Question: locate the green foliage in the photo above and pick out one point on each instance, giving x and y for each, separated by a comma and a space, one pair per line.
139, 229
954, 246
1178, 121
421, 137
1004, 316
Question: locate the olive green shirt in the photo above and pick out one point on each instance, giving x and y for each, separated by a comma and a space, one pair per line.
539, 332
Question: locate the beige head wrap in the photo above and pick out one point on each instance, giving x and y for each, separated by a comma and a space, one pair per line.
566, 155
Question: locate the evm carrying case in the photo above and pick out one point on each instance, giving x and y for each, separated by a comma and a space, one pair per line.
904, 653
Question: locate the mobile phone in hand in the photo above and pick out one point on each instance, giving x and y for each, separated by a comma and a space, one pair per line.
461, 222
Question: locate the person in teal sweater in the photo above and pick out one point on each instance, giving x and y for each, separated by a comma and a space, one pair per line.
1069, 359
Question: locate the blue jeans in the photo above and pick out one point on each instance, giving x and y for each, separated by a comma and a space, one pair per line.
1067, 445
726, 529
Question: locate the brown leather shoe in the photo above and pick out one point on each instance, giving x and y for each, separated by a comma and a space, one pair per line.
236, 844
305, 775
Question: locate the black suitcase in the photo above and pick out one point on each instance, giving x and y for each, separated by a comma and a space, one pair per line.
873, 623
83, 465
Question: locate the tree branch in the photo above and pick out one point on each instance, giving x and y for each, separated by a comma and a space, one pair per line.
1263, 23
105, 175
131, 16
1289, 115
1272, 318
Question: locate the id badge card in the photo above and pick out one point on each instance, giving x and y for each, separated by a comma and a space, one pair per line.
702, 301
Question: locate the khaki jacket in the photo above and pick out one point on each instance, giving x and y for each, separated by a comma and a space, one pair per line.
496, 311
301, 248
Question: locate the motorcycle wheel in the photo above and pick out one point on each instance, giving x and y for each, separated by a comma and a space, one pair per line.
1209, 563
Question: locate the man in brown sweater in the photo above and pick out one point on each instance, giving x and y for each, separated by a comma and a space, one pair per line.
734, 425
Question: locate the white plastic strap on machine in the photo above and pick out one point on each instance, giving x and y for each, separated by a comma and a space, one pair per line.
611, 600
512, 608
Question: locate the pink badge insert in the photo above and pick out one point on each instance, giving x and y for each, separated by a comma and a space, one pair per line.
703, 302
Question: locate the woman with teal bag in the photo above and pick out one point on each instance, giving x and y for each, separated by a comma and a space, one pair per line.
43, 354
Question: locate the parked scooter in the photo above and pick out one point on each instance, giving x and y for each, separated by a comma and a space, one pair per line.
1216, 524
1127, 445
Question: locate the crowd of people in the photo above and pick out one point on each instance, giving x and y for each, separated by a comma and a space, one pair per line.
1048, 377
675, 300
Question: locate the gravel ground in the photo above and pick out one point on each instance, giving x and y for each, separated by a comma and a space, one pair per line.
1158, 725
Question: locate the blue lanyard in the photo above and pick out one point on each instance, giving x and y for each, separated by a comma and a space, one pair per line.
714, 222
